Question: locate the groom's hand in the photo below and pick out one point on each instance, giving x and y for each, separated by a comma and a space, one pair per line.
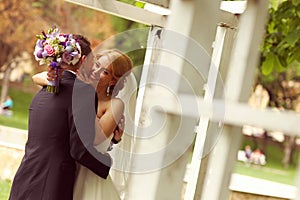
51, 74
118, 132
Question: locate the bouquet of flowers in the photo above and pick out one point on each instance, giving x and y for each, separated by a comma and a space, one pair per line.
54, 48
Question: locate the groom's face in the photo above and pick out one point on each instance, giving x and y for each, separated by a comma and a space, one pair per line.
87, 65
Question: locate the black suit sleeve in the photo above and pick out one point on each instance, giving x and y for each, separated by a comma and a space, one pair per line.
82, 130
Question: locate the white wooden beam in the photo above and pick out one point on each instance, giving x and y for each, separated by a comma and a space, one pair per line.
235, 7
240, 114
123, 10
228, 19
184, 26
144, 16
241, 72
153, 183
262, 187
204, 123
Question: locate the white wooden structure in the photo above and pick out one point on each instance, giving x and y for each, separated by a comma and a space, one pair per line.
194, 86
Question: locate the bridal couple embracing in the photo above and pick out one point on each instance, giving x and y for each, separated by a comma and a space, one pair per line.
71, 132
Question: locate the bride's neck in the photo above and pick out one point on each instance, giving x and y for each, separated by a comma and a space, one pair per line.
102, 95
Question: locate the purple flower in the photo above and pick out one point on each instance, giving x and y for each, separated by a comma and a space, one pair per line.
54, 64
39, 53
66, 57
40, 43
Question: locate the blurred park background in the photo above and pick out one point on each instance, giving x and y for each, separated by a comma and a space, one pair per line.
277, 83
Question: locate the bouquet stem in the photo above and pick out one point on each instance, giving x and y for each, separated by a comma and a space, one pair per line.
52, 89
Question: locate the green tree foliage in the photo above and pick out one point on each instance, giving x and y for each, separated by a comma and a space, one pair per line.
280, 61
138, 37
279, 71
134, 38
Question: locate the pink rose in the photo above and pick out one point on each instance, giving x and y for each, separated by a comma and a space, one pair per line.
50, 51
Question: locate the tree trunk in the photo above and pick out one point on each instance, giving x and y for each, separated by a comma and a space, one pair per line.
5, 82
289, 142
4, 56
264, 142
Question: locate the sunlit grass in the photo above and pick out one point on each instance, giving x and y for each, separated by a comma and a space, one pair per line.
19, 119
4, 189
279, 175
273, 170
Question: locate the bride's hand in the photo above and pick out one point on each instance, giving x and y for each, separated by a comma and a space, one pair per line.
118, 132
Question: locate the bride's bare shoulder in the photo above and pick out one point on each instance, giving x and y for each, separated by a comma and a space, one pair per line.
117, 103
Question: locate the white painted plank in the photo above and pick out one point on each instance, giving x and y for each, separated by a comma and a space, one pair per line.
235, 7
204, 122
244, 59
123, 10
247, 184
238, 114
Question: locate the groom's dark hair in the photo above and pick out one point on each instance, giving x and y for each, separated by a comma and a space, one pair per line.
85, 45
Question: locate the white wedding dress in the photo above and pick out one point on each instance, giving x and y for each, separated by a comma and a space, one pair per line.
89, 186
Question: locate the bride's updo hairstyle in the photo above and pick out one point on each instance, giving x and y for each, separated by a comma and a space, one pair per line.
121, 67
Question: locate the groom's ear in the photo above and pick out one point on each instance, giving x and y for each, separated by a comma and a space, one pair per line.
83, 57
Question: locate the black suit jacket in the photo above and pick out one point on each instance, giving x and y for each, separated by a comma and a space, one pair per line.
59, 134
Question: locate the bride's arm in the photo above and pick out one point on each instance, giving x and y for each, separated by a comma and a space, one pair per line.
106, 125
40, 78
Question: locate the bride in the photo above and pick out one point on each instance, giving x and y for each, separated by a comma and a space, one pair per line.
108, 77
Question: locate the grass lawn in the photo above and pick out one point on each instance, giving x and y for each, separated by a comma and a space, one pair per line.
280, 175
20, 109
273, 170
4, 189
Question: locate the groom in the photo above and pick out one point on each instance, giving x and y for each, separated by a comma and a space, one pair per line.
47, 171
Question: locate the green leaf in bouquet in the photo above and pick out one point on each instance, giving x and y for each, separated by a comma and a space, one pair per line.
52, 89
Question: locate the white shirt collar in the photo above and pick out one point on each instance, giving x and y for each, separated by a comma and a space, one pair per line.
71, 71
